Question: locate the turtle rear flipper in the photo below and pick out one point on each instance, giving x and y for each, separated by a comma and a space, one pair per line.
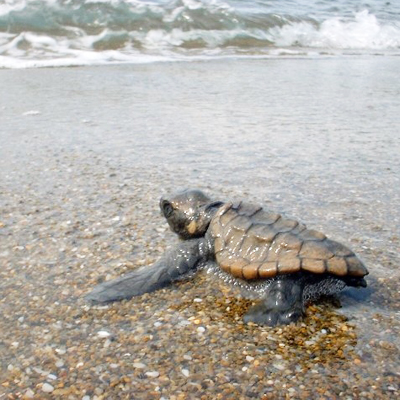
282, 304
174, 266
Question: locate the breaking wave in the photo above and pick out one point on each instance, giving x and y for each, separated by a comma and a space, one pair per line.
79, 32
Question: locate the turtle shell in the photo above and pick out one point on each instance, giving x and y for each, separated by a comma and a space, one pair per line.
253, 243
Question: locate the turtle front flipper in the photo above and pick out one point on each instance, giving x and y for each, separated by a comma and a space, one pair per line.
174, 266
281, 305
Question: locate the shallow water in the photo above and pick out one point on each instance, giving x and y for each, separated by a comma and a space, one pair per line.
87, 152
303, 134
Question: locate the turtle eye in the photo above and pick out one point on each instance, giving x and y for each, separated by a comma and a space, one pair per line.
214, 204
167, 208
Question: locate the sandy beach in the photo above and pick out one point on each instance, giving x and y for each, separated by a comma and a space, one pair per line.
86, 154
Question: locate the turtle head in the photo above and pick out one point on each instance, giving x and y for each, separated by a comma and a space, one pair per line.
189, 213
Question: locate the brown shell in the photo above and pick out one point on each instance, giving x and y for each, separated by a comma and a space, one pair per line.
252, 243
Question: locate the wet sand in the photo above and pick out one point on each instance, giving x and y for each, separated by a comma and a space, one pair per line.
85, 155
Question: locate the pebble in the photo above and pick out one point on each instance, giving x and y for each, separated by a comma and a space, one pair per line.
185, 372
47, 388
29, 394
153, 374
138, 365
281, 367
103, 334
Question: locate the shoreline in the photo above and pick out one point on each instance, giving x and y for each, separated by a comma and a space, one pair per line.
280, 54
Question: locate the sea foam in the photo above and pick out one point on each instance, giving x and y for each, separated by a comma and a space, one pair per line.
364, 32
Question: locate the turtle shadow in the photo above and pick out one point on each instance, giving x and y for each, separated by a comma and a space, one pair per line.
377, 295
352, 295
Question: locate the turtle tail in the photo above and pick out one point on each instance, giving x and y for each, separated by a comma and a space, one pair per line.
174, 266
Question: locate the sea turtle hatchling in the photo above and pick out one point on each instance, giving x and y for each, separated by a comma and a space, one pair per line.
270, 256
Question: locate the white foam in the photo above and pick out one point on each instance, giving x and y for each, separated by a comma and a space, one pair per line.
11, 5
82, 60
364, 32
31, 112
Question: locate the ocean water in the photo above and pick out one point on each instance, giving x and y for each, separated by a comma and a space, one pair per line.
35, 33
